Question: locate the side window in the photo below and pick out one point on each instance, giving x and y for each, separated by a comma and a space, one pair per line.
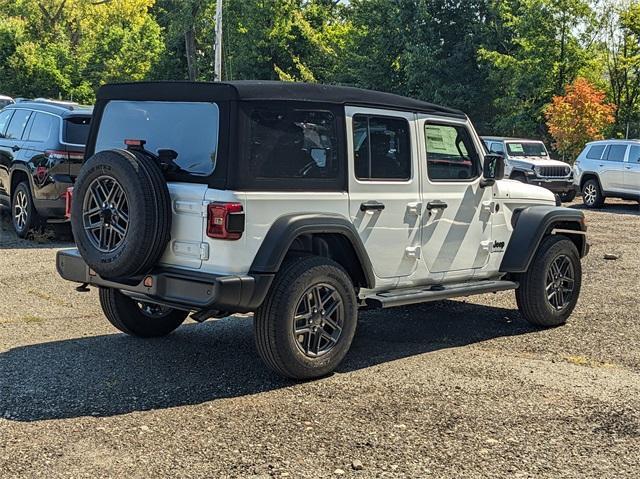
17, 124
42, 127
382, 149
595, 152
451, 154
293, 144
5, 116
616, 153
634, 154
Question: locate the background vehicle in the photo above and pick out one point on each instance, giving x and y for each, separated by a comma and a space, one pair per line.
5, 100
41, 151
608, 169
528, 161
302, 203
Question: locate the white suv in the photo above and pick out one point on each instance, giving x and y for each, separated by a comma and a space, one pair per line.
608, 169
304, 203
529, 161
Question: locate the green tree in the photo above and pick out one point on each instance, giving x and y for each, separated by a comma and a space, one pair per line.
68, 48
534, 48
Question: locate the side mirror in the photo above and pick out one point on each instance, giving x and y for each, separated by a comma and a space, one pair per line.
492, 170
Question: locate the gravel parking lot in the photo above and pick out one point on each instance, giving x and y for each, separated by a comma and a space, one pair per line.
451, 389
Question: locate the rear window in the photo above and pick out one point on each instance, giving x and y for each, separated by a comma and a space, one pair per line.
189, 128
595, 152
616, 153
76, 130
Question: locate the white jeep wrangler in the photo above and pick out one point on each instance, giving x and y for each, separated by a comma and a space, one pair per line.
303, 203
528, 161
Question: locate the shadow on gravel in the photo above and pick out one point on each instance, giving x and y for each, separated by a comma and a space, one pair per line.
53, 235
116, 374
629, 208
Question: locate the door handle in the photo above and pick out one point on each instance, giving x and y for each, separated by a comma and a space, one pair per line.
15, 148
627, 167
436, 205
372, 206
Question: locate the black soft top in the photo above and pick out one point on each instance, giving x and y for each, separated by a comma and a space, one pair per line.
267, 90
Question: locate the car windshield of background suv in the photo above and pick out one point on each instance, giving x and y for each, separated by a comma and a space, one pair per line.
526, 149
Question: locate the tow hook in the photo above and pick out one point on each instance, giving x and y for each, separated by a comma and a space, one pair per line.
83, 288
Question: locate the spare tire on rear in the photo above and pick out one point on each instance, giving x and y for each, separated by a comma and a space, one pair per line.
121, 213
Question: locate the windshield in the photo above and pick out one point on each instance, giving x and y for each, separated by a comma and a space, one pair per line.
188, 128
531, 148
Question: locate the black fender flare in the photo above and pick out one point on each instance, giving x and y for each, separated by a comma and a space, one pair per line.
590, 173
23, 168
530, 226
287, 228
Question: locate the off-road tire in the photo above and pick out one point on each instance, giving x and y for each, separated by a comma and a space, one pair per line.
32, 221
128, 316
274, 320
531, 295
149, 212
568, 196
591, 189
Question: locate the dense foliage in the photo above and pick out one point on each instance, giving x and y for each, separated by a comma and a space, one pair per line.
501, 61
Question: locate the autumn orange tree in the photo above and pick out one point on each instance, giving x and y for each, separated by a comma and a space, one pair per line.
580, 116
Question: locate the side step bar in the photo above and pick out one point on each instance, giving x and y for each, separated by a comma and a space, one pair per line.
439, 292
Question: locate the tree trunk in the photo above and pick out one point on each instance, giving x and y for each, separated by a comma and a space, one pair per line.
190, 49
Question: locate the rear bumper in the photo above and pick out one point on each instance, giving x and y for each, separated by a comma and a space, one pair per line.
180, 289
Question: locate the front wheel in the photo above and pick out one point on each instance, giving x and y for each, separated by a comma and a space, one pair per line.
145, 320
306, 324
592, 196
549, 290
568, 196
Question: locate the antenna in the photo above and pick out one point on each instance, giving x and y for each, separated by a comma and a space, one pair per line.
217, 66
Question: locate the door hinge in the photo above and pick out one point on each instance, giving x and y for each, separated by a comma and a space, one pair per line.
191, 249
488, 206
414, 208
413, 252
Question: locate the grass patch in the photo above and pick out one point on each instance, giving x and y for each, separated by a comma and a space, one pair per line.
588, 362
29, 319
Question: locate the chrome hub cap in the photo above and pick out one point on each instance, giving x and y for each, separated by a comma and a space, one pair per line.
319, 320
105, 214
589, 194
20, 210
560, 282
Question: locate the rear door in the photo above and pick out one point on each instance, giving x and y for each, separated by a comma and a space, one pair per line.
612, 167
632, 171
6, 154
11, 145
190, 131
384, 188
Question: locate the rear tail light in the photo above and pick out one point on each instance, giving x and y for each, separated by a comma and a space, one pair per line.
64, 155
225, 221
68, 196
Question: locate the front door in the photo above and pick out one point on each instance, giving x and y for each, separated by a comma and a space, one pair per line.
456, 235
384, 190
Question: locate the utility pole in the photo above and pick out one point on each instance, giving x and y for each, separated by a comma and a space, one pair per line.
217, 66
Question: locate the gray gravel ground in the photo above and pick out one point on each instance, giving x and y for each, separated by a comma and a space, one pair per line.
453, 389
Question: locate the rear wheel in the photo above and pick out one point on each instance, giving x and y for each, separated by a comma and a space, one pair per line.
549, 291
592, 196
141, 319
23, 212
306, 324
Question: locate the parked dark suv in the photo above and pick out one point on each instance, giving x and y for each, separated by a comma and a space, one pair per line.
41, 151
